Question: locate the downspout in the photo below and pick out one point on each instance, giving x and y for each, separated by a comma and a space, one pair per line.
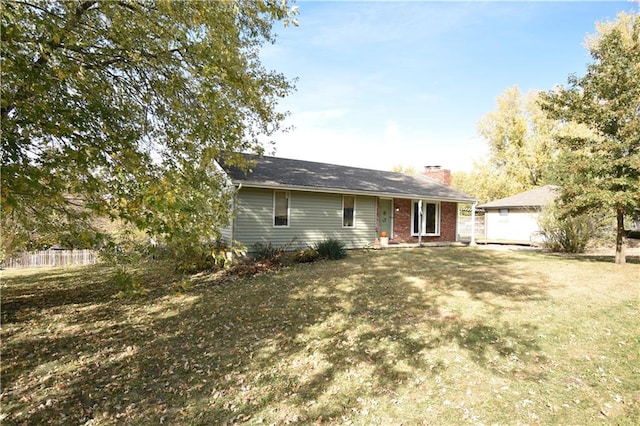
233, 215
473, 224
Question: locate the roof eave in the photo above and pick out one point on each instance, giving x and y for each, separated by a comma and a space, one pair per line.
509, 206
249, 184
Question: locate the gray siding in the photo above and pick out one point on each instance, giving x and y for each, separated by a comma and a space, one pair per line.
313, 217
226, 233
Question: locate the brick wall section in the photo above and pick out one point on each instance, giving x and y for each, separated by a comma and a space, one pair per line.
449, 217
402, 222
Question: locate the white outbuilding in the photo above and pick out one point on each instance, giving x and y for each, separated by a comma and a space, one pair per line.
515, 219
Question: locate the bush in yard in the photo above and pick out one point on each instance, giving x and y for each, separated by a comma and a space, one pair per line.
307, 255
263, 257
634, 233
569, 234
124, 253
190, 258
265, 251
331, 249
224, 256
197, 255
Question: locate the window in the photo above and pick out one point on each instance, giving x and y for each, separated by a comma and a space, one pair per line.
504, 212
430, 218
280, 208
348, 211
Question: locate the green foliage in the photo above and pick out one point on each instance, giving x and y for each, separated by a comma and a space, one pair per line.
569, 234
129, 247
520, 137
331, 249
28, 235
599, 164
125, 253
521, 143
486, 182
407, 170
128, 283
189, 257
265, 251
122, 109
196, 255
182, 286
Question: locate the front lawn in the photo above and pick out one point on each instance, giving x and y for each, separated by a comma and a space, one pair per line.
414, 336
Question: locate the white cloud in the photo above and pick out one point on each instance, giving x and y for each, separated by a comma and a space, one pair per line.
376, 148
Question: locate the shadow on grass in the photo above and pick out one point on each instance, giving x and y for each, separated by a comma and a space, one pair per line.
631, 259
313, 338
44, 289
49, 288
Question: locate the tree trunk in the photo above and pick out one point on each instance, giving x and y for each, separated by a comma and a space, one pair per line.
620, 243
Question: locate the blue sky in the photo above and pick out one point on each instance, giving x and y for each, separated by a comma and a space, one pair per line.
383, 83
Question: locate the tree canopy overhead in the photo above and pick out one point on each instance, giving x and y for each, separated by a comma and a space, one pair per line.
120, 108
599, 165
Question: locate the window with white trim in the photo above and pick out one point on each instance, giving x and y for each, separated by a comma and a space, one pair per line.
430, 224
348, 211
281, 208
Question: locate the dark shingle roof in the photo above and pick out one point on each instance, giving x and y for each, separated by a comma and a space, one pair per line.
297, 174
537, 197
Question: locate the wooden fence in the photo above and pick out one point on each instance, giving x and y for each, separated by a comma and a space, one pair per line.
50, 258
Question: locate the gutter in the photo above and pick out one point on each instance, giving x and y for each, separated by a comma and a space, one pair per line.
234, 215
355, 192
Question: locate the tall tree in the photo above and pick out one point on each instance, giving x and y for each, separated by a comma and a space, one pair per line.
521, 146
485, 182
599, 167
121, 108
520, 137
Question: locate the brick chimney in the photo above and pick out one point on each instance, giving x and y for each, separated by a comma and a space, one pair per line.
439, 174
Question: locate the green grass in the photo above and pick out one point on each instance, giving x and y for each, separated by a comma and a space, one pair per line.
417, 336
